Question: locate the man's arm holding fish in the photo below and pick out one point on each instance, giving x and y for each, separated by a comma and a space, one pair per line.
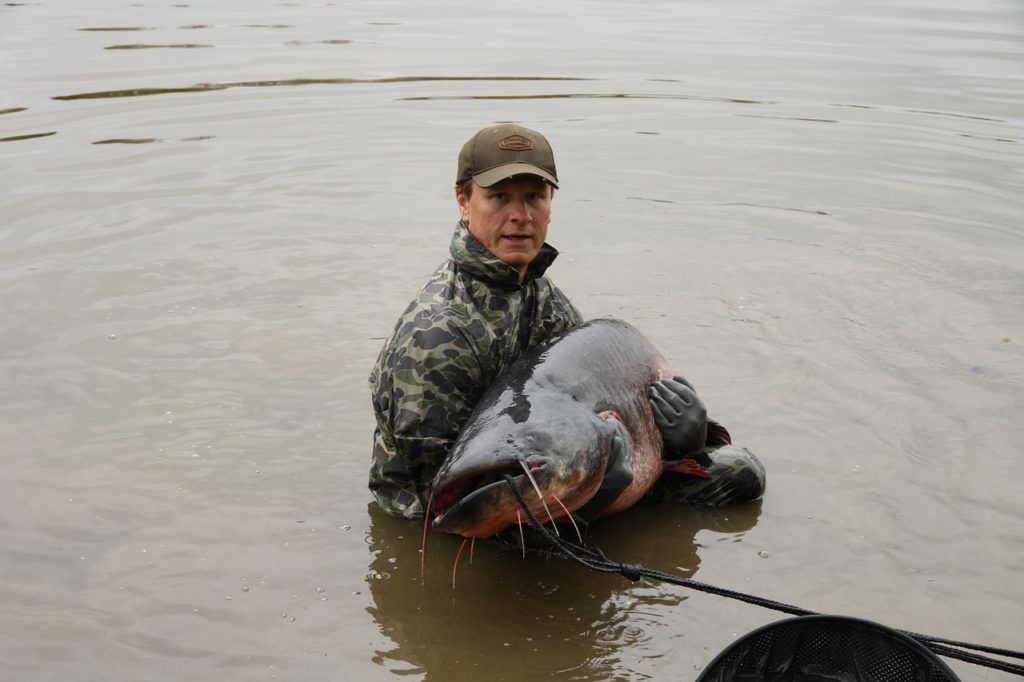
681, 417
702, 465
422, 393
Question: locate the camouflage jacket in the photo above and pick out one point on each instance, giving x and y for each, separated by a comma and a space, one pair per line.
469, 322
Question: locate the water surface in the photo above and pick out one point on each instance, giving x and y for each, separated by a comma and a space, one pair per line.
213, 213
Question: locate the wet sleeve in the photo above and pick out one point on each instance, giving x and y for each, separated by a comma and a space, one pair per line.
433, 379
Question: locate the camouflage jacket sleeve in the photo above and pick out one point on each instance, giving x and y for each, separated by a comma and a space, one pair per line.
424, 388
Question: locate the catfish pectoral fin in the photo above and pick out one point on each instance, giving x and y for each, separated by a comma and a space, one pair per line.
689, 467
618, 473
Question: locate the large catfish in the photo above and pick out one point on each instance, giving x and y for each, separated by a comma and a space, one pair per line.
558, 412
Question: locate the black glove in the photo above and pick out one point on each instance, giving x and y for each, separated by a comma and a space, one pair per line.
680, 415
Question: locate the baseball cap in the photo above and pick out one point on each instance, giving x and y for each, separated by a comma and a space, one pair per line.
500, 151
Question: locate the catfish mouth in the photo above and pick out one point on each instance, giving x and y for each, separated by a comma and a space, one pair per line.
480, 503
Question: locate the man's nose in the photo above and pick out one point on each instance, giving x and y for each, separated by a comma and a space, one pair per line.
521, 210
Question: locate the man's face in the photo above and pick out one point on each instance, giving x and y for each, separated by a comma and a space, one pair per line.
510, 218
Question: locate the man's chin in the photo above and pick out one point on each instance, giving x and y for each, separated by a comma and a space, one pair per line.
518, 258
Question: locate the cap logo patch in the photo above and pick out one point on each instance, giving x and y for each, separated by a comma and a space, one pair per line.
515, 143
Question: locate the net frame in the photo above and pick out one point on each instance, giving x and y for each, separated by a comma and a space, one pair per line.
822, 648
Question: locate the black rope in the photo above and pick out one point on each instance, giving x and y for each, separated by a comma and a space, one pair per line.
596, 560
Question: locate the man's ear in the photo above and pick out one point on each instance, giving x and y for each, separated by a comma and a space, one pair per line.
463, 201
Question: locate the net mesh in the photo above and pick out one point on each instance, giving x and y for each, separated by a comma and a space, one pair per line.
827, 648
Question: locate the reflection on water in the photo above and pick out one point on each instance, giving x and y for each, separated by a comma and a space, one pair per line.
569, 622
194, 289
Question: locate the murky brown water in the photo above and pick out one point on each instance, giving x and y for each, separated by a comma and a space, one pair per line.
213, 212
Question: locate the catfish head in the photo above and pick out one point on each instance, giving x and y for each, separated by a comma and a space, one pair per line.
556, 453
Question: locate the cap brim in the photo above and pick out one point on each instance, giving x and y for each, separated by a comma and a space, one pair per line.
493, 176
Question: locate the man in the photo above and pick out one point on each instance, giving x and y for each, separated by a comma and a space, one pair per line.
482, 309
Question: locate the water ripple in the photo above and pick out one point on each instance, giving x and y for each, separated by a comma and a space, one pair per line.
141, 46
116, 28
141, 140
585, 95
150, 140
318, 42
205, 87
17, 138
791, 118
